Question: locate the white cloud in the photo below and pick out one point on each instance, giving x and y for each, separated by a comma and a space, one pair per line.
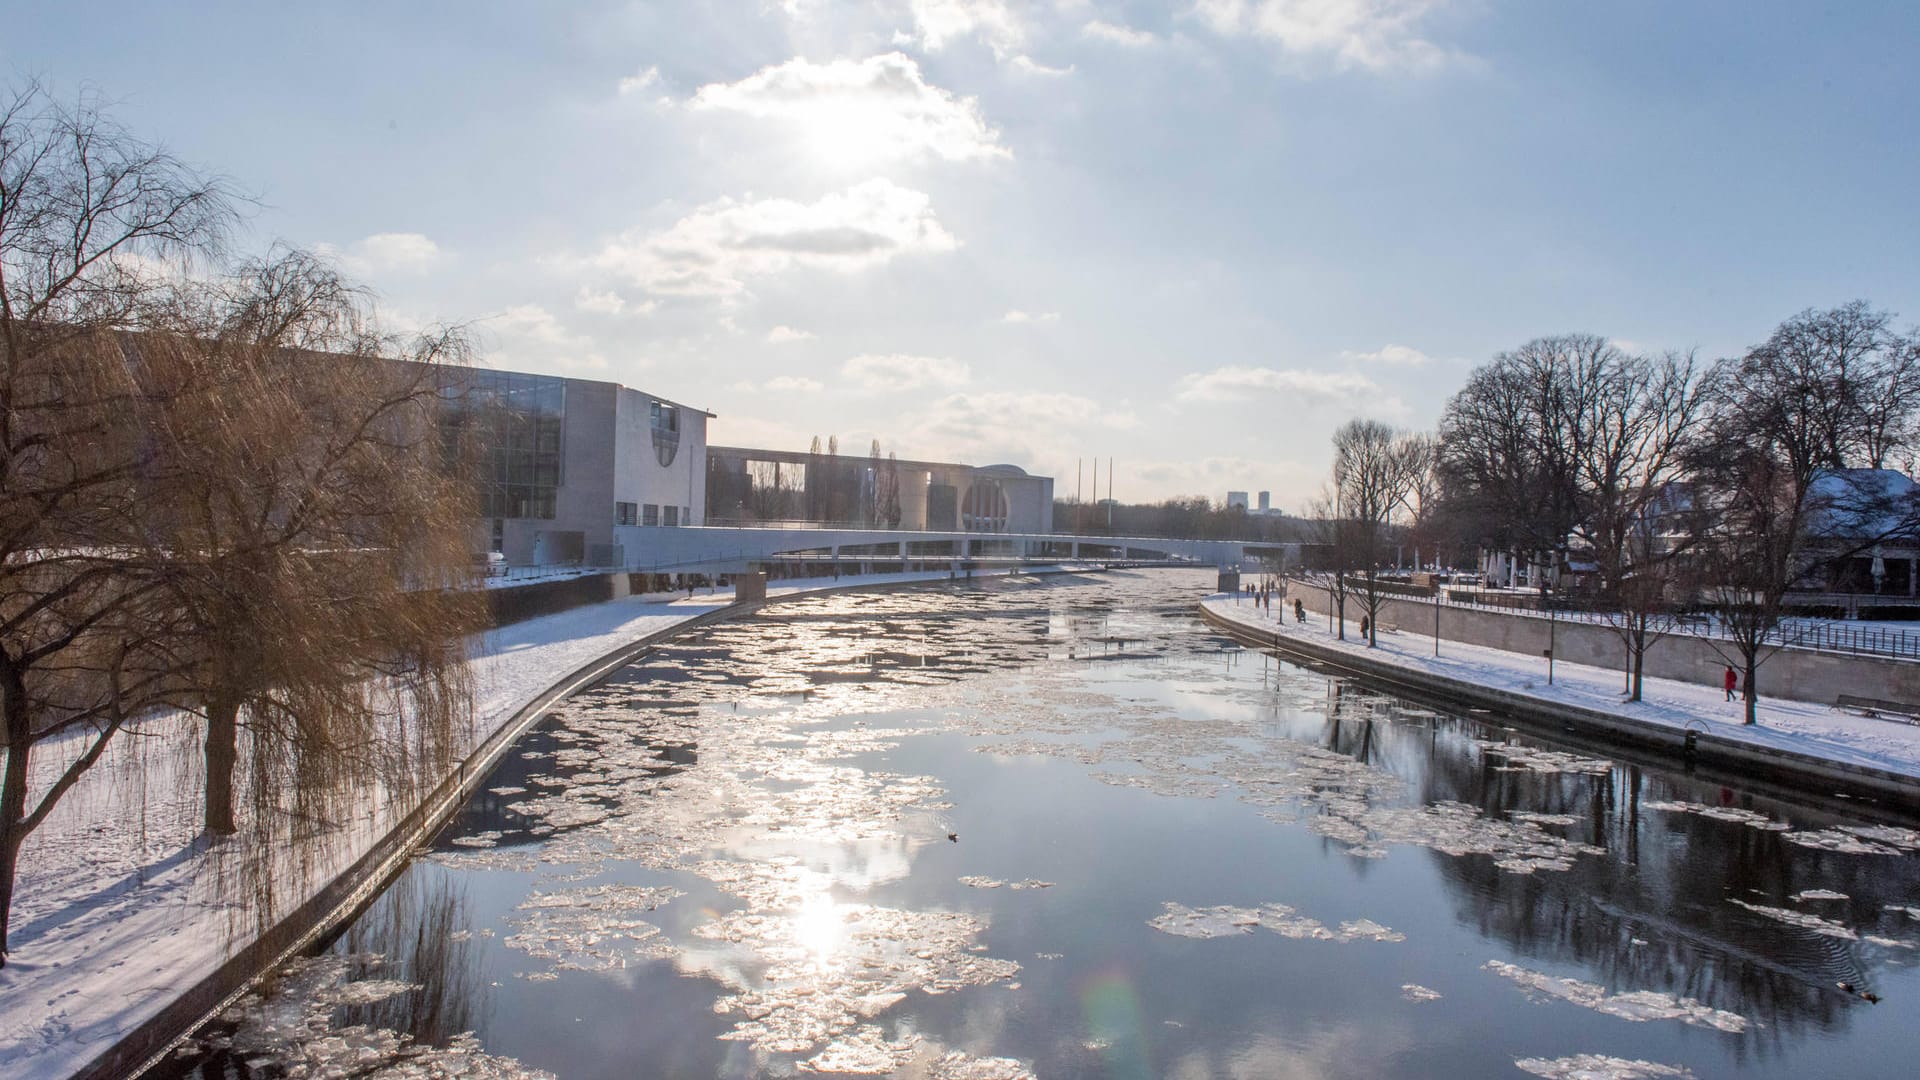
386, 253
1118, 34
1027, 65
1018, 316
856, 112
640, 80
1229, 384
528, 336
605, 302
1391, 356
783, 335
718, 248
897, 371
1035, 430
782, 384
1374, 34
994, 22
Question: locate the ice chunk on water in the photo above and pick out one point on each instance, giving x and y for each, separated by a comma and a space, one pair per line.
1226, 921
1802, 920
1416, 992
1601, 1067
1817, 894
1636, 1005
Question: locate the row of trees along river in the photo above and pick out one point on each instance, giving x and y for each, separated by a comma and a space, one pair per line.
1697, 496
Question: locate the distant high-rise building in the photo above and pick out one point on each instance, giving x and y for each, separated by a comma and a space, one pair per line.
1266, 501
1236, 498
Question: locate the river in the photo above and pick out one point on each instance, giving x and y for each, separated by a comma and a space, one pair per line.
1061, 828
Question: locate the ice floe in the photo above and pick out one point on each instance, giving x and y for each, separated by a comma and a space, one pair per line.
1224, 921
1601, 1067
1802, 920
1636, 1005
1416, 992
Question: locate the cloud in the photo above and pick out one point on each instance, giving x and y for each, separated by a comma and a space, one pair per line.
1229, 384
937, 22
782, 384
1390, 355
528, 336
640, 80
1027, 65
862, 111
605, 302
718, 248
386, 253
1036, 430
1377, 35
1018, 316
783, 335
897, 371
1118, 34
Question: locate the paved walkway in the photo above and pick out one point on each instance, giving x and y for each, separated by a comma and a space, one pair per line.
1803, 727
120, 903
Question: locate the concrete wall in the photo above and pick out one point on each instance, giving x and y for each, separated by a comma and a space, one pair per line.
1794, 674
638, 476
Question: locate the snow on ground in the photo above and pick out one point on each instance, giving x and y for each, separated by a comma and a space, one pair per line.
121, 904
1802, 727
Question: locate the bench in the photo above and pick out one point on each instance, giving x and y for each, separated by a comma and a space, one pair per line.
1874, 707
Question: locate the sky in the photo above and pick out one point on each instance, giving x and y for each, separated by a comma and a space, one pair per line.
1194, 237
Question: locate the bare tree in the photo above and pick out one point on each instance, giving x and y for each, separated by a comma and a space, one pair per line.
1638, 415
1785, 428
1511, 442
93, 226
1375, 469
321, 546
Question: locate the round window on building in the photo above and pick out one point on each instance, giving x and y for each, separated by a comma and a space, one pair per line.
985, 508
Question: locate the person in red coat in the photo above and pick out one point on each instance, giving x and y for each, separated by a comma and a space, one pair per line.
1731, 681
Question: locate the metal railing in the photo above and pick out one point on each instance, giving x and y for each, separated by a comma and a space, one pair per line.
1794, 632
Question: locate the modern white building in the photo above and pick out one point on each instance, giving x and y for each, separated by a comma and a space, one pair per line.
566, 461
1236, 499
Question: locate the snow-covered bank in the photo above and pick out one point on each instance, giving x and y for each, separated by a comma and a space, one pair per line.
121, 907
1791, 727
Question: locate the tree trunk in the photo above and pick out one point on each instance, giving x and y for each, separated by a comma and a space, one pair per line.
13, 792
1751, 692
222, 738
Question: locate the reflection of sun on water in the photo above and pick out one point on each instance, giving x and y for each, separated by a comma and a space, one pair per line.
820, 927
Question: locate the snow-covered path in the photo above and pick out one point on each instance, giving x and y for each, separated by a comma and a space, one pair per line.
121, 906
1795, 726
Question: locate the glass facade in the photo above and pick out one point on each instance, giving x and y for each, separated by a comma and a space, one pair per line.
517, 424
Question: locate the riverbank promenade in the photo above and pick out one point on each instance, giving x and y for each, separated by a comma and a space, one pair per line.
1790, 727
124, 905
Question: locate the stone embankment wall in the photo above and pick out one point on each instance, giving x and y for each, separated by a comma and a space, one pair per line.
1793, 674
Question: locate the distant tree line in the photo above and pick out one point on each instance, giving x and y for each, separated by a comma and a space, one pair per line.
1689, 495
219, 495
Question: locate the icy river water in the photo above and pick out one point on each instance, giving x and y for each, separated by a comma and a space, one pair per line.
1060, 828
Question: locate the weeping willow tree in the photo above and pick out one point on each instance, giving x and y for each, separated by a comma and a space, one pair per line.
320, 531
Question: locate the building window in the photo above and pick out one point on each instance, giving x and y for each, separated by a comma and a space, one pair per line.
625, 513
665, 422
673, 515
650, 514
512, 426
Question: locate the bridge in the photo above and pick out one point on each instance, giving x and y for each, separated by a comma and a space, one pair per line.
722, 549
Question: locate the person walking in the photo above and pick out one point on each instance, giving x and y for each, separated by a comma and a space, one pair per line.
1730, 681
1299, 610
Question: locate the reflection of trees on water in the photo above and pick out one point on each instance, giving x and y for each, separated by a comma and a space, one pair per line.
1656, 911
423, 927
